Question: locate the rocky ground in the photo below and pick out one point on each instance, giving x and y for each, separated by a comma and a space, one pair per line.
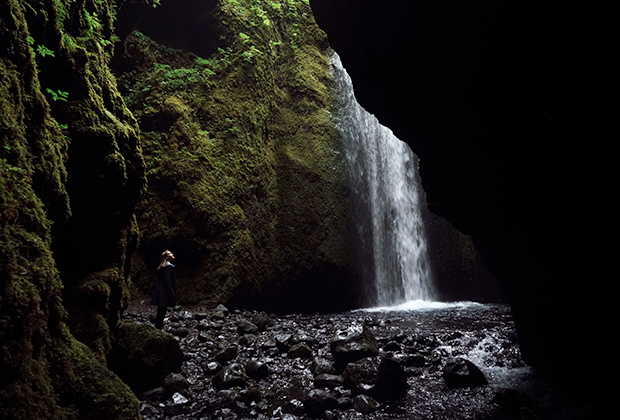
372, 365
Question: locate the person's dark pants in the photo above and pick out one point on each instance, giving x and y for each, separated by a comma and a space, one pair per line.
159, 318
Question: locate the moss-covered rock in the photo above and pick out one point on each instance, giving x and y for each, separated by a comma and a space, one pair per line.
46, 372
142, 355
246, 180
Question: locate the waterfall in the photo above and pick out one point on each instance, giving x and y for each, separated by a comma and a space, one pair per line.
392, 250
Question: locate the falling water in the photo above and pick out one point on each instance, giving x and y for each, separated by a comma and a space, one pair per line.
386, 194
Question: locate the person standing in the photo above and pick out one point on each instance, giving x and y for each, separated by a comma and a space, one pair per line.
165, 290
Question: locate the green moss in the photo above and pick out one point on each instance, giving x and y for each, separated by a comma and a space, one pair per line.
46, 372
244, 171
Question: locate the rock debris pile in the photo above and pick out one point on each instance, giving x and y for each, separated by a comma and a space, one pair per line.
249, 364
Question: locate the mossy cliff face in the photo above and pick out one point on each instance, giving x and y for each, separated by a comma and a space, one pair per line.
66, 137
244, 174
246, 181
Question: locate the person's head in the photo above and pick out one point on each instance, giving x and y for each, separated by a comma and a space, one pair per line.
166, 256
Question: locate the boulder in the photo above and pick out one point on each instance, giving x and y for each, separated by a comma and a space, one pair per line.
353, 343
142, 355
318, 401
461, 373
175, 383
230, 376
300, 350
246, 327
322, 365
415, 360
361, 376
256, 370
227, 354
391, 380
261, 321
326, 380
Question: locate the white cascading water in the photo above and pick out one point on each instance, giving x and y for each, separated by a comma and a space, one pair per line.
386, 195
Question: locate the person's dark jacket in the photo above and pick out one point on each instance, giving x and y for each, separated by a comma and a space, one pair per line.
165, 290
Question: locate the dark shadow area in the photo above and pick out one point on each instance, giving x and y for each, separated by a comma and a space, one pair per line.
507, 106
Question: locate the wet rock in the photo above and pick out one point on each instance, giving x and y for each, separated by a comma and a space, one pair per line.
230, 376
391, 380
361, 376
204, 337
326, 380
345, 403
212, 368
256, 370
223, 309
391, 346
248, 340
178, 406
246, 327
415, 360
460, 373
283, 342
318, 401
175, 383
364, 404
300, 350
179, 398
199, 316
227, 354
294, 407
322, 365
353, 343
261, 321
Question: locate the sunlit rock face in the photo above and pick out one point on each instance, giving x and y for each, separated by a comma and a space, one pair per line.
508, 151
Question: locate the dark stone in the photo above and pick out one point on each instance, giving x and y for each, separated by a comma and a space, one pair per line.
175, 382
256, 369
246, 327
212, 368
294, 407
417, 360
318, 401
322, 365
391, 346
261, 321
364, 404
227, 354
361, 376
326, 380
300, 350
230, 376
353, 343
391, 380
461, 373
